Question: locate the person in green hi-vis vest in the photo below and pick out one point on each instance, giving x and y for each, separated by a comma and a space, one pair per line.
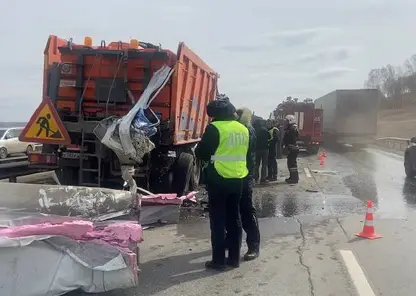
224, 145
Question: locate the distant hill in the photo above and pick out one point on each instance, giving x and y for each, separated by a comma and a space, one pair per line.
12, 124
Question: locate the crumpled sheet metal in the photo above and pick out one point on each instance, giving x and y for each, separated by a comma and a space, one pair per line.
65, 200
65, 263
97, 204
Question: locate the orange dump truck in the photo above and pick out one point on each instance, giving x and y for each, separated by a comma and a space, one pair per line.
84, 84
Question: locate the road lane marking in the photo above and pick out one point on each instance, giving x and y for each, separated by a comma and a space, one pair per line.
357, 274
307, 172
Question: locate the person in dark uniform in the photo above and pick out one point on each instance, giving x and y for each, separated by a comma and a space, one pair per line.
290, 141
262, 150
281, 132
273, 143
225, 146
247, 210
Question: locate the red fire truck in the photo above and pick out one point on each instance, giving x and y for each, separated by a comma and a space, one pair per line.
309, 121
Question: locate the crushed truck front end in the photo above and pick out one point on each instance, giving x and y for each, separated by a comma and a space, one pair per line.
87, 84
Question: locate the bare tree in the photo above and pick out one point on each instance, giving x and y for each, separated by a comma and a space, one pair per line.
395, 82
374, 79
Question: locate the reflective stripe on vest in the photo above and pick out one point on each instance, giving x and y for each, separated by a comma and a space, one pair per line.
230, 159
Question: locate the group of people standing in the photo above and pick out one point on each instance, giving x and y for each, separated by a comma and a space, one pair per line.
270, 140
234, 150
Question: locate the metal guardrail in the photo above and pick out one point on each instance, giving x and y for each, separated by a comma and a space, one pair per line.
15, 159
400, 144
13, 167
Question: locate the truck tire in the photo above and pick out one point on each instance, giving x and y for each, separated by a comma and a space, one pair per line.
182, 172
195, 176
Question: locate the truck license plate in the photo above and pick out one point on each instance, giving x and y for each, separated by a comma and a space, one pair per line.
70, 155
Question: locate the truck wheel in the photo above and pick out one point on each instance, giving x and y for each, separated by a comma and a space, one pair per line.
182, 172
195, 176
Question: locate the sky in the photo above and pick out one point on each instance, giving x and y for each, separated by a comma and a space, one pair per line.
264, 50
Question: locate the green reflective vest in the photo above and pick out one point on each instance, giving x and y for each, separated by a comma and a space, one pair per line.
230, 159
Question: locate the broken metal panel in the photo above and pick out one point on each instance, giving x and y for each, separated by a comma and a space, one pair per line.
86, 202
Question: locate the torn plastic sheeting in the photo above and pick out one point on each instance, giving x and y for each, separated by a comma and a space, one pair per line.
129, 136
158, 81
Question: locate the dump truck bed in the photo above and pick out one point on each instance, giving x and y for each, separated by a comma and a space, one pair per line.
101, 81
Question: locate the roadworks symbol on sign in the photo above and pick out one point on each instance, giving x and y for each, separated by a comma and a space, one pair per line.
45, 126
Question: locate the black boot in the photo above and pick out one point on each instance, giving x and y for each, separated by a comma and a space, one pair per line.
294, 178
251, 255
215, 266
232, 264
292, 181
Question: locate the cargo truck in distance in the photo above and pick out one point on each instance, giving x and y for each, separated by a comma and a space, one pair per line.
309, 122
350, 116
87, 84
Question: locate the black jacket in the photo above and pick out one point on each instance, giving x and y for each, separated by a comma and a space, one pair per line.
262, 136
208, 146
291, 137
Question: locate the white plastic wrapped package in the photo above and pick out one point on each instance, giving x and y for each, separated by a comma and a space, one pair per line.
64, 263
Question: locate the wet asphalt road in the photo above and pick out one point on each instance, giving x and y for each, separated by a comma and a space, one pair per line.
303, 229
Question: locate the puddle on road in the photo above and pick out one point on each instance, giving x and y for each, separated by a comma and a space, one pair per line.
306, 203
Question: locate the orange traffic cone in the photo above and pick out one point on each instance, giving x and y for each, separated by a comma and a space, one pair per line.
321, 160
368, 229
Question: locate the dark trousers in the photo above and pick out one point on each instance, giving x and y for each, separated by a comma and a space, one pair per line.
224, 215
279, 151
292, 164
249, 216
261, 158
272, 164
